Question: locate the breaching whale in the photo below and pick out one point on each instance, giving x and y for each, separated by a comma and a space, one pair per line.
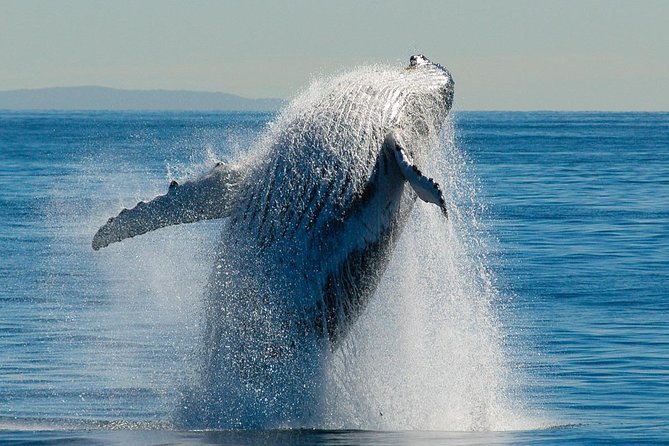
312, 215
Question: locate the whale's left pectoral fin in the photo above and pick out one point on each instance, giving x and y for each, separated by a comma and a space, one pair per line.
426, 188
210, 196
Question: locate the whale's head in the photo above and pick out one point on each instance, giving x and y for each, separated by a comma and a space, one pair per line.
428, 90
356, 110
430, 87
431, 79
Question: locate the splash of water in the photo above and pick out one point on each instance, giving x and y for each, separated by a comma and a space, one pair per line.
427, 353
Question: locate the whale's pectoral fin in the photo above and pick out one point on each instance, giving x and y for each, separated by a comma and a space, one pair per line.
426, 188
210, 196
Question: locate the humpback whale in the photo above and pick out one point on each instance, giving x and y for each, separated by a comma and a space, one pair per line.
311, 217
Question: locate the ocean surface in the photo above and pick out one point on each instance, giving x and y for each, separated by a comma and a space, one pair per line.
97, 347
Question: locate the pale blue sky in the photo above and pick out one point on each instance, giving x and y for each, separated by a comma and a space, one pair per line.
510, 55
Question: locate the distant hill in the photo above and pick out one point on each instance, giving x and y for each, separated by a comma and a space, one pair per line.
103, 98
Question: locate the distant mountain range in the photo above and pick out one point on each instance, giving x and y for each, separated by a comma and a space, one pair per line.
103, 98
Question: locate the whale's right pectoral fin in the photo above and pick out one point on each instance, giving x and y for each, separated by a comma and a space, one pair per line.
210, 196
425, 187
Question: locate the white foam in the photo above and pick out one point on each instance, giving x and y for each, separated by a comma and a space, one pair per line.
426, 354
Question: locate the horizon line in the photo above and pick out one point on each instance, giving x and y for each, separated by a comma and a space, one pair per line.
166, 110
277, 99
138, 89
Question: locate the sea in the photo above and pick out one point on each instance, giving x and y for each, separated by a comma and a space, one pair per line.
570, 227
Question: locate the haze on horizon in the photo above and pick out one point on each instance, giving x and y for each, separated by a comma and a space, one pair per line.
511, 55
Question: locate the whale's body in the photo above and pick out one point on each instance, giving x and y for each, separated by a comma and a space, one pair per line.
312, 217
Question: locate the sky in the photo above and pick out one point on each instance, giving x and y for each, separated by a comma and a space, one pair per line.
504, 55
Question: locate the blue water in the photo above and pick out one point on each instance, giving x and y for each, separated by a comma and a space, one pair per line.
97, 348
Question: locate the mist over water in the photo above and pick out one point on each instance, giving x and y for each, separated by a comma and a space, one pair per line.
426, 354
